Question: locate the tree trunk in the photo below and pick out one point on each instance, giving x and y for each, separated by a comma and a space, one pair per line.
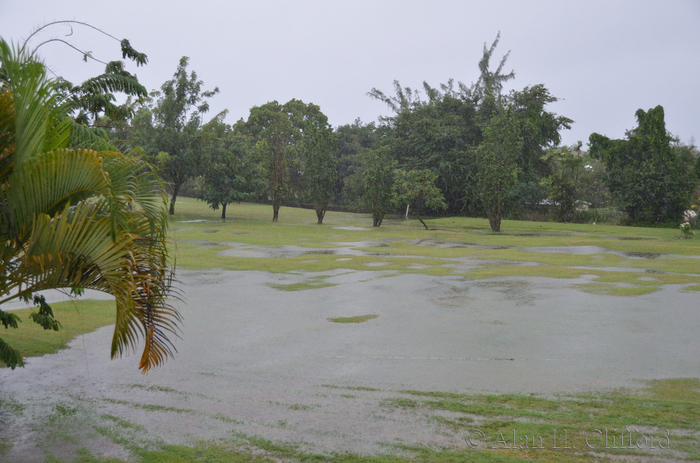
176, 190
223, 211
275, 211
320, 214
421, 221
376, 221
495, 222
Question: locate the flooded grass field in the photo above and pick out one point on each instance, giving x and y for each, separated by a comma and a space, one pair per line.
340, 342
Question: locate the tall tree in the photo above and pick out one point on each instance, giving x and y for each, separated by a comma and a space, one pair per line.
352, 140
442, 130
169, 126
228, 169
644, 173
288, 137
497, 163
378, 180
77, 218
320, 166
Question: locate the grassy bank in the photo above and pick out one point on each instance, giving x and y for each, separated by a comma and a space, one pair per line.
76, 318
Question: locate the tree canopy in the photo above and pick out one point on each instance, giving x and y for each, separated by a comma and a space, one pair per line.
168, 127
652, 181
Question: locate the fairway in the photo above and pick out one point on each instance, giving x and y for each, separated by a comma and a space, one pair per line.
344, 342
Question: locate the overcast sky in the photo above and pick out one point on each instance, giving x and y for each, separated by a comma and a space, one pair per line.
602, 59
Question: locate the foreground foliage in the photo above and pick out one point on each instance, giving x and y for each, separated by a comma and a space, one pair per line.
77, 218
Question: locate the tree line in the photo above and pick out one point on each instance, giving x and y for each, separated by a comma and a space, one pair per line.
449, 149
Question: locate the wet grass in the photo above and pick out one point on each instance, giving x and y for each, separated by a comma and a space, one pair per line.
358, 319
402, 246
314, 283
491, 427
76, 317
613, 290
664, 409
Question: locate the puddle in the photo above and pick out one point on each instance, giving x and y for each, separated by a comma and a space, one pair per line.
587, 250
252, 360
568, 249
351, 228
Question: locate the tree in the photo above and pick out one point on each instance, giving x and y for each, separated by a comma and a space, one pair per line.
352, 140
77, 218
497, 163
644, 173
417, 188
563, 183
289, 138
377, 180
320, 165
442, 131
170, 127
229, 172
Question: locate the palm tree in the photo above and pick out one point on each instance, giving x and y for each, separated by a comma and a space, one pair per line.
73, 217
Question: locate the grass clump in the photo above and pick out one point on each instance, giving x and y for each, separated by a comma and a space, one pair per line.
357, 319
615, 290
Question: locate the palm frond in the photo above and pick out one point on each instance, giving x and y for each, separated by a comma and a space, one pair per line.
10, 356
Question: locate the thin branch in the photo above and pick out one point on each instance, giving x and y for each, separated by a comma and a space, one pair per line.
69, 22
84, 53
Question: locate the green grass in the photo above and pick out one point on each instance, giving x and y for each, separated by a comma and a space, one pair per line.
402, 246
613, 290
358, 319
76, 317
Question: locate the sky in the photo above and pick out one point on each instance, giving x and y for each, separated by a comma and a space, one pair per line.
603, 60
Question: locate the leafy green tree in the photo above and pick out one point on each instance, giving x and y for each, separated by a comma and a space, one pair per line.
288, 137
562, 184
417, 191
229, 171
497, 163
644, 173
440, 136
377, 181
352, 140
442, 131
320, 167
169, 127
77, 218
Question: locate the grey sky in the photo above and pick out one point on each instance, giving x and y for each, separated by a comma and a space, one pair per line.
603, 59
